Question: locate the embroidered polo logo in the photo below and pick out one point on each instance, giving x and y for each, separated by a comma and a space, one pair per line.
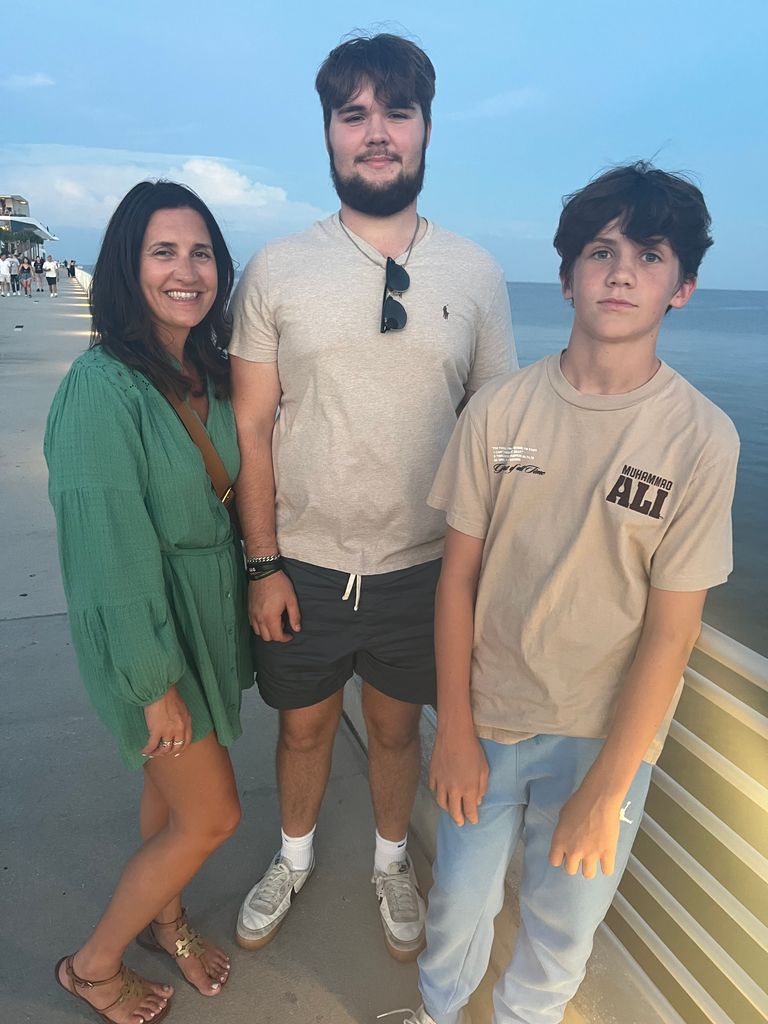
640, 492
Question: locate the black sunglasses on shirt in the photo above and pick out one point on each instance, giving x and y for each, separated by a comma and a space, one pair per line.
393, 314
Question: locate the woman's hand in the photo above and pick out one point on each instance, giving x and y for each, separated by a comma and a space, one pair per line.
169, 723
458, 776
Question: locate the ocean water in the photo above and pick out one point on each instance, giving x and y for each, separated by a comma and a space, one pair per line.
719, 342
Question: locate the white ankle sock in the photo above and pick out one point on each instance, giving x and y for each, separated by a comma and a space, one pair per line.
388, 853
298, 849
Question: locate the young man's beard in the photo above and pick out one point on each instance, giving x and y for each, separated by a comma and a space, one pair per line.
356, 193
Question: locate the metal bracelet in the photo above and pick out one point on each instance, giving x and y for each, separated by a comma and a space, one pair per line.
261, 559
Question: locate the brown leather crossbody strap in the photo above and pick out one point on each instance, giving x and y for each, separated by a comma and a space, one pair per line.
214, 467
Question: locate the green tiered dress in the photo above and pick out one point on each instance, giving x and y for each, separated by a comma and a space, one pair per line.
152, 570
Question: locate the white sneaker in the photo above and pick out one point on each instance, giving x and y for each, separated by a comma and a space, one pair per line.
266, 905
419, 1016
402, 910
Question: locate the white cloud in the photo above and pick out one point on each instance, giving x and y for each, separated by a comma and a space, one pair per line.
225, 186
36, 80
500, 105
80, 187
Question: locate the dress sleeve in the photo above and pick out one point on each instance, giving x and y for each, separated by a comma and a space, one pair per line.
111, 564
495, 345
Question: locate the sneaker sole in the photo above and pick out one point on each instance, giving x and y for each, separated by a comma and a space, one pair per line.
403, 955
263, 940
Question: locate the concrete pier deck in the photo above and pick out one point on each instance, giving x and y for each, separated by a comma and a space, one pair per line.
68, 808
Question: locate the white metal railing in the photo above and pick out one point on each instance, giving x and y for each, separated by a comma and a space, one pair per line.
83, 277
735, 656
721, 866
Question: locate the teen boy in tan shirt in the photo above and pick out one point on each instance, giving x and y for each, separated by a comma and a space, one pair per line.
588, 501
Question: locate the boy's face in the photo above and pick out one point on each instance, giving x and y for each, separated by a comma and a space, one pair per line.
621, 289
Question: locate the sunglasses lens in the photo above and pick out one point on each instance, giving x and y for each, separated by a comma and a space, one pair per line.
397, 276
393, 315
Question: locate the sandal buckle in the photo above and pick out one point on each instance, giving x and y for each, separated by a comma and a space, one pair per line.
188, 942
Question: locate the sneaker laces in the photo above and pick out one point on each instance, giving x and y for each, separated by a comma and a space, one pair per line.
400, 894
404, 1009
272, 888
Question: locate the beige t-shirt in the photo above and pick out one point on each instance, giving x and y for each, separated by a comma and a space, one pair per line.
584, 501
365, 417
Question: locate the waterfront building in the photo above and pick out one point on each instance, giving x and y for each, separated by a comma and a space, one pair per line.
20, 232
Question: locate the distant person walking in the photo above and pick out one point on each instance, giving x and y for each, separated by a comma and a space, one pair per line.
13, 262
25, 276
71, 268
153, 574
5, 276
38, 265
51, 271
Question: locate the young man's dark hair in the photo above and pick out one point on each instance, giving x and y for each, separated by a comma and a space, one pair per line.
648, 203
399, 71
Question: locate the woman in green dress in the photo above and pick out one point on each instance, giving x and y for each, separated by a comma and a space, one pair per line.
153, 575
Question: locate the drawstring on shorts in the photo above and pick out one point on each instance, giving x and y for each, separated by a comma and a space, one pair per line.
356, 581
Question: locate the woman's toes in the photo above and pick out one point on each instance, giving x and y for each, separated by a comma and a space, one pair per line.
217, 967
151, 1005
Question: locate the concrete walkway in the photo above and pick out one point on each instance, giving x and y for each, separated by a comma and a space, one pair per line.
68, 808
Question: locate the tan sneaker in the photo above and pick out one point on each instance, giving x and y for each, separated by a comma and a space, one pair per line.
402, 910
264, 908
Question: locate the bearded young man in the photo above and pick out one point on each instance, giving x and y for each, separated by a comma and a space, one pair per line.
367, 333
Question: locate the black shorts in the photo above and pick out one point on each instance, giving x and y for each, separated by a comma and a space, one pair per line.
389, 640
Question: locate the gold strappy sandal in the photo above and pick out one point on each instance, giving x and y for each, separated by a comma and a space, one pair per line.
189, 942
133, 987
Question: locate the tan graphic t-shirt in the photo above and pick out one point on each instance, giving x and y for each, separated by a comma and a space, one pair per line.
584, 502
365, 417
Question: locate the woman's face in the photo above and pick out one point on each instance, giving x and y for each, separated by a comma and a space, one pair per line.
177, 272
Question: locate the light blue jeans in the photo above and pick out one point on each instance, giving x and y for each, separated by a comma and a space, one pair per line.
559, 913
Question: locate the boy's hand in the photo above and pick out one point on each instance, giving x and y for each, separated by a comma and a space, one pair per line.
458, 776
587, 833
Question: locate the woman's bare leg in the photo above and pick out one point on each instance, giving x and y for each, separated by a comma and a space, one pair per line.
202, 812
214, 966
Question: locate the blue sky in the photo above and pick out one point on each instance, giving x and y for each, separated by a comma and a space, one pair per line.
533, 99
